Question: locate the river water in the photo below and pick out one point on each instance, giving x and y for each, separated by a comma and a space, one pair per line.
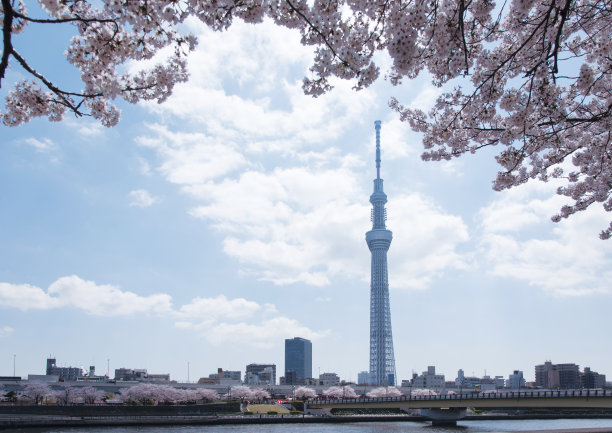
369, 427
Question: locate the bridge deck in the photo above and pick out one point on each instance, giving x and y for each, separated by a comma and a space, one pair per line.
541, 399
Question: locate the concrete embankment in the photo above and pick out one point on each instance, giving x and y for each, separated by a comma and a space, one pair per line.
12, 422
123, 410
60, 421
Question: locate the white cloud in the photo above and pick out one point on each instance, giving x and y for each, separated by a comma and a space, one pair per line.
426, 242
518, 208
42, 145
26, 297
238, 92
144, 167
261, 334
519, 241
142, 198
190, 158
289, 226
426, 98
290, 206
72, 291
219, 307
91, 129
105, 299
5, 331
398, 140
85, 128
217, 319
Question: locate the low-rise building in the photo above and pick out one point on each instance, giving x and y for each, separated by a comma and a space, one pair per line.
516, 380
130, 374
225, 377
139, 375
466, 382
592, 379
365, 378
329, 379
429, 380
565, 376
260, 374
64, 373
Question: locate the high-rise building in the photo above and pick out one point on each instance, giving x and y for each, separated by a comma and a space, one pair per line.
382, 359
298, 359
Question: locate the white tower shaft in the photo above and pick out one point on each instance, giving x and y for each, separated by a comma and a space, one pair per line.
382, 358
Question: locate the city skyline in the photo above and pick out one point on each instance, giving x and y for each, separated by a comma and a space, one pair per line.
204, 231
548, 375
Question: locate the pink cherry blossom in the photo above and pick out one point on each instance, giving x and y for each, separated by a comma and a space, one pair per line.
36, 391
304, 393
531, 79
389, 391
339, 392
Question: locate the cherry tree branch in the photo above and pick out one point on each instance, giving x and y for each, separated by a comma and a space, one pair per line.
64, 20
317, 31
7, 29
555, 53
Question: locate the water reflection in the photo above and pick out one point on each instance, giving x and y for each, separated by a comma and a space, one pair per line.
371, 427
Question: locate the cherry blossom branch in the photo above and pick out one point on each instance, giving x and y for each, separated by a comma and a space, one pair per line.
60, 93
64, 20
461, 17
564, 13
47, 83
7, 28
317, 31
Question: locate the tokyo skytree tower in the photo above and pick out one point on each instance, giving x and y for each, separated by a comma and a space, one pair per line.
382, 359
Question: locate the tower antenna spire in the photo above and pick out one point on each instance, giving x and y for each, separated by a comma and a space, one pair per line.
377, 127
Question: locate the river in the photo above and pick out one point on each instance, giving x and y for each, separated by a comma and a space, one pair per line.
366, 427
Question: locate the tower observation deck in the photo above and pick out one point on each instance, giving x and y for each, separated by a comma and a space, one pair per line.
382, 359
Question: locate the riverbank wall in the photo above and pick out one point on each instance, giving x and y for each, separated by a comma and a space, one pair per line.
231, 407
107, 416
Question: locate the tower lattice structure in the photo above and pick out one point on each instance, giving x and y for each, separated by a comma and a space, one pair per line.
382, 359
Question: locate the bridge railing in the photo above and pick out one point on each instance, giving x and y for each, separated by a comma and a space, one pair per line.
565, 393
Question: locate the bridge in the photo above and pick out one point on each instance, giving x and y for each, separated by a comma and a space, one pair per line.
448, 408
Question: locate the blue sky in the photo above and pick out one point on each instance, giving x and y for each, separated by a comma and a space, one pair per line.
208, 229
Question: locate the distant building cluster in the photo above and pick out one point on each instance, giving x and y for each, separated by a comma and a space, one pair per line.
567, 376
63, 373
54, 373
139, 375
298, 372
429, 380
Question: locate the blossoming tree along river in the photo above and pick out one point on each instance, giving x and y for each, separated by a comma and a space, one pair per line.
533, 77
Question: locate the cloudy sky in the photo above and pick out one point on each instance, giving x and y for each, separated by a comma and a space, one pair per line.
206, 230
